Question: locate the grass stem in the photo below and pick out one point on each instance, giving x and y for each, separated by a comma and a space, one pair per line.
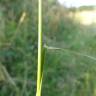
39, 72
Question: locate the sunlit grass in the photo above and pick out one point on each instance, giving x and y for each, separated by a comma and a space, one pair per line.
85, 17
40, 46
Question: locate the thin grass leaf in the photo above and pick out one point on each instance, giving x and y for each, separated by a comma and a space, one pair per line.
70, 51
9, 80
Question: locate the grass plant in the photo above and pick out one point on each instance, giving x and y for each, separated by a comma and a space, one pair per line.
40, 46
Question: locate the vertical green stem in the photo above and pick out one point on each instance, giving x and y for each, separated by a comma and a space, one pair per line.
39, 72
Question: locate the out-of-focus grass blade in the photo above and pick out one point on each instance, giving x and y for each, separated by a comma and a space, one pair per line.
69, 51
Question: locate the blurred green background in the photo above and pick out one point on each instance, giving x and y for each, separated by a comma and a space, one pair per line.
65, 73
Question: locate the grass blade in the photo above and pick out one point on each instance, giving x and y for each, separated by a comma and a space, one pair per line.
70, 51
40, 66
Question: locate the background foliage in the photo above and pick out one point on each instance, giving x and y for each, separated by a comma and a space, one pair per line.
65, 73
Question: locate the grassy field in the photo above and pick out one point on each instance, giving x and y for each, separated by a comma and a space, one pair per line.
85, 17
70, 59
68, 73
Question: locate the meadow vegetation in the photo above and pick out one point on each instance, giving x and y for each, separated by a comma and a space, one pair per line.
67, 72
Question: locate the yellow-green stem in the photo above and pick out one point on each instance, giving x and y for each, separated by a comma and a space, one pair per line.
39, 72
